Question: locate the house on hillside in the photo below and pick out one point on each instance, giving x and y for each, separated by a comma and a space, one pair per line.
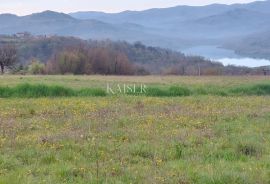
23, 35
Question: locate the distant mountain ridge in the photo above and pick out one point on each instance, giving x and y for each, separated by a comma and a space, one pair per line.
180, 13
175, 28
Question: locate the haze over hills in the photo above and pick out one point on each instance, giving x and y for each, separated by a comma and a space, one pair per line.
256, 45
175, 28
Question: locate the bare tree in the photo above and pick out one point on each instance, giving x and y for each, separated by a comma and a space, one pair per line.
8, 56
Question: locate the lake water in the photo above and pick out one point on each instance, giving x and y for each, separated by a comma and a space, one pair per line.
227, 57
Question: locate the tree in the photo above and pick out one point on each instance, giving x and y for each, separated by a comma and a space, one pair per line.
36, 67
8, 56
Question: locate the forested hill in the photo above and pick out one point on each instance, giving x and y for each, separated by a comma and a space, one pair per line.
73, 55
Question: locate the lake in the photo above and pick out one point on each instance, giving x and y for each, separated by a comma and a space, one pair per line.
227, 57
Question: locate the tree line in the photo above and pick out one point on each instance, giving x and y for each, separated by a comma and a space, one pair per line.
69, 55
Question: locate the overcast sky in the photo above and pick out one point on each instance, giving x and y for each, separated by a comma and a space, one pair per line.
23, 7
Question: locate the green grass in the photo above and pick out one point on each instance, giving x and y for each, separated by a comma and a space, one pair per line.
42, 90
258, 89
202, 132
98, 81
206, 139
169, 92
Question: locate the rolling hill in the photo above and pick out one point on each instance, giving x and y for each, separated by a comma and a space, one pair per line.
176, 28
53, 23
254, 45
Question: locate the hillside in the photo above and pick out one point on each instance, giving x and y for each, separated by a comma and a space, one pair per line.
49, 23
255, 45
237, 22
53, 23
154, 17
176, 28
216, 21
103, 56
155, 60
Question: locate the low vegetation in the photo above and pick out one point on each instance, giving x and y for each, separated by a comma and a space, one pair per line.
41, 90
135, 140
82, 136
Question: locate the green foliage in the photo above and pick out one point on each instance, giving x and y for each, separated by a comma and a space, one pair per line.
5, 92
171, 91
179, 91
154, 91
178, 150
36, 67
258, 89
40, 90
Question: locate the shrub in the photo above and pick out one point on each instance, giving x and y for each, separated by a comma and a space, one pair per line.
36, 67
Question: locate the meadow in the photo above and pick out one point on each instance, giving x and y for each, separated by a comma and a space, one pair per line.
206, 137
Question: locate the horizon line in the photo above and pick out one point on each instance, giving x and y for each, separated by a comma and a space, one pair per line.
128, 10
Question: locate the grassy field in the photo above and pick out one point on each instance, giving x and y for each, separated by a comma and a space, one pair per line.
99, 81
135, 139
